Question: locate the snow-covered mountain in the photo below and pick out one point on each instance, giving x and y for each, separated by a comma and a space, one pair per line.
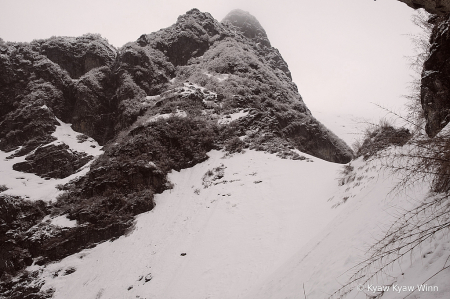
186, 165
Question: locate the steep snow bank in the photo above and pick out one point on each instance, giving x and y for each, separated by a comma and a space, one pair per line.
227, 224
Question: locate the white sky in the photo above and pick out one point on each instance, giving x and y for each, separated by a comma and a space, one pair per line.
343, 54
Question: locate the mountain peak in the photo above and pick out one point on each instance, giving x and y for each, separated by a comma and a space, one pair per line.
196, 13
247, 24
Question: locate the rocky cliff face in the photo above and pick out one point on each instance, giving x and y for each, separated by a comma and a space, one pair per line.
432, 6
435, 86
86, 82
435, 83
159, 103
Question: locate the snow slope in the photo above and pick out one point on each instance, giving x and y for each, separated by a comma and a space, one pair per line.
254, 226
235, 227
368, 208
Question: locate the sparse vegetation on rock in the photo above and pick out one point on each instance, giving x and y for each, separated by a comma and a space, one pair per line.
380, 136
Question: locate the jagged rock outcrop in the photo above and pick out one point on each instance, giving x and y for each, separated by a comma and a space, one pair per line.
190, 37
432, 6
30, 125
435, 82
53, 161
30, 80
78, 55
157, 104
86, 82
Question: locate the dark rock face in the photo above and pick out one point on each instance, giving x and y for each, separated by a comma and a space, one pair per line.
124, 176
190, 37
16, 215
94, 105
53, 161
435, 83
432, 6
29, 125
29, 80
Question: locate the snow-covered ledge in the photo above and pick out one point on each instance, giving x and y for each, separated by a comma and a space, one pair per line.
432, 6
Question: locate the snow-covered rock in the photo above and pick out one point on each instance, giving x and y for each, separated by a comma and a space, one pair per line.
226, 119
34, 187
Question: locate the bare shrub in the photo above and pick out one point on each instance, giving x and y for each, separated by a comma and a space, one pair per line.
347, 175
380, 136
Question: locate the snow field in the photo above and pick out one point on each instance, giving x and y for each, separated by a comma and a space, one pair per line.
255, 226
234, 233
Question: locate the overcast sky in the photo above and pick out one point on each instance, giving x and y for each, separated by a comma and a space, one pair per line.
343, 54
